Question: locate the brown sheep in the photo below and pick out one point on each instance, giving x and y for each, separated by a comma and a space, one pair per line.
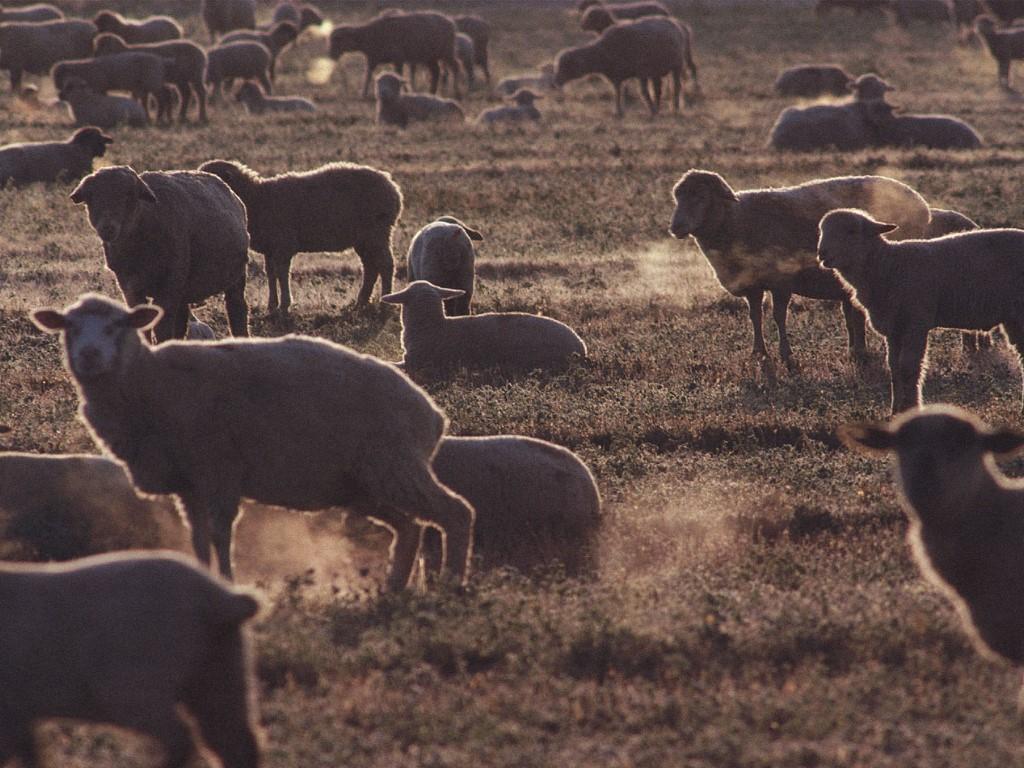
35, 48
276, 39
154, 29
223, 16
53, 160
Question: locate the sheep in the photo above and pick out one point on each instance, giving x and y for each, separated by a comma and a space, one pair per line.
932, 131
154, 29
1005, 45
176, 237
823, 7
185, 66
536, 503
257, 103
89, 108
813, 80
415, 38
969, 280
924, 10
35, 48
31, 13
966, 517
331, 208
127, 640
223, 16
522, 109
764, 240
442, 253
479, 32
141, 74
275, 39
302, 16
400, 109
647, 49
352, 430
544, 80
628, 11
46, 161
505, 339
245, 60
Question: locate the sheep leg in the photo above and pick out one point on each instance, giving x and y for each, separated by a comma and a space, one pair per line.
1014, 330
237, 309
755, 305
855, 327
780, 312
405, 546
910, 368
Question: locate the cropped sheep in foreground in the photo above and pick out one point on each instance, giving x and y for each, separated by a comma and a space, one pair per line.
514, 340
397, 108
257, 102
442, 253
127, 640
764, 240
35, 13
302, 16
89, 108
244, 60
1005, 45
154, 29
331, 208
175, 237
352, 429
479, 31
966, 517
275, 39
521, 110
35, 48
141, 74
223, 16
53, 160
544, 80
812, 80
973, 281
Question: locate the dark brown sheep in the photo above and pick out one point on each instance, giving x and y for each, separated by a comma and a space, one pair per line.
276, 39
223, 16
154, 29
53, 160
35, 48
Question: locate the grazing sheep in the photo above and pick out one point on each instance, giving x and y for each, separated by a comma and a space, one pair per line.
812, 80
1005, 45
536, 503
175, 237
185, 67
932, 131
331, 208
479, 31
352, 430
764, 240
223, 16
972, 281
275, 39
824, 7
505, 339
522, 109
544, 80
127, 640
141, 74
89, 108
442, 253
35, 48
401, 38
628, 11
647, 49
400, 109
154, 29
31, 13
302, 16
257, 102
924, 10
245, 60
52, 160
966, 517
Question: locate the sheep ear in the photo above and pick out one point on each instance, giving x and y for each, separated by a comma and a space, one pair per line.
143, 317
1003, 442
49, 320
872, 439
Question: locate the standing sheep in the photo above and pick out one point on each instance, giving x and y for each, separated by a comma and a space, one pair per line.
244, 60
175, 237
275, 39
257, 103
35, 48
223, 16
32, 13
972, 281
332, 208
397, 108
127, 640
89, 108
442, 253
505, 339
521, 109
293, 421
764, 240
812, 80
154, 29
479, 31
1005, 45
46, 161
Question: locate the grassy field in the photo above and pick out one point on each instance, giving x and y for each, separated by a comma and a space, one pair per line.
756, 603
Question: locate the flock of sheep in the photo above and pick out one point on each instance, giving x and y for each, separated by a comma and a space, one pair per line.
356, 431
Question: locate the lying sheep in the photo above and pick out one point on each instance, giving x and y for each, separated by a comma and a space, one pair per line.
35, 48
812, 80
932, 131
258, 103
127, 640
764, 240
442, 253
244, 60
275, 39
629, 11
223, 16
175, 237
154, 29
1005, 45
923, 10
302, 16
823, 7
89, 108
970, 280
966, 517
352, 430
505, 339
397, 108
140, 74
544, 80
479, 32
647, 49
45, 161
331, 208
522, 109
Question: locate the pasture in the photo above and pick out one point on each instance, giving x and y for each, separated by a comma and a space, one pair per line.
756, 604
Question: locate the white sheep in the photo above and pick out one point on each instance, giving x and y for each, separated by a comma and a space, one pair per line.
442, 253
522, 109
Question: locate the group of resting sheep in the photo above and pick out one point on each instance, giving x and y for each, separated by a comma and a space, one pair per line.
357, 432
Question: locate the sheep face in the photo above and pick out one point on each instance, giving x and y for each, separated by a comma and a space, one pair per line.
845, 235
343, 39
93, 140
697, 195
112, 196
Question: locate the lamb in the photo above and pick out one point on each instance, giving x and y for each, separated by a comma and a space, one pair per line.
89, 108
302, 16
442, 253
175, 237
257, 103
932, 131
924, 10
544, 80
275, 39
331, 208
970, 280
1005, 45
647, 49
32, 13
966, 517
353, 430
154, 29
400, 109
35, 48
764, 240
245, 60
223, 16
141, 74
504, 339
824, 7
522, 109
812, 80
126, 640
597, 18
46, 161
479, 32
627, 11
415, 38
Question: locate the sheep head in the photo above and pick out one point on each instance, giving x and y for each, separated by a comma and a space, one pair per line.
699, 196
93, 139
845, 235
113, 196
